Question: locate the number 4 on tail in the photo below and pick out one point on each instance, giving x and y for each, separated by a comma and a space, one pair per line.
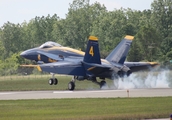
91, 52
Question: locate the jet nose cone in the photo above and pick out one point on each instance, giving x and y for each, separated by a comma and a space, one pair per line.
23, 54
30, 54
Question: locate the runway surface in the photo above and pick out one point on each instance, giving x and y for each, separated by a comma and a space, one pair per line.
157, 92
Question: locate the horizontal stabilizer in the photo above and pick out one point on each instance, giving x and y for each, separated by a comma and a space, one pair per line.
138, 66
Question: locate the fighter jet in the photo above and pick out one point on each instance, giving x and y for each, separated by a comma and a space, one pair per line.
86, 66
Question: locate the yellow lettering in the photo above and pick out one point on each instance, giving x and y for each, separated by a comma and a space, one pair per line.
91, 52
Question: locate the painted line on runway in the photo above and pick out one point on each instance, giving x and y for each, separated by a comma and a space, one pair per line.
97, 91
10, 93
6, 93
62, 92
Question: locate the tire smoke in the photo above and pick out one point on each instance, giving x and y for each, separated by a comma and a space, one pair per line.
156, 79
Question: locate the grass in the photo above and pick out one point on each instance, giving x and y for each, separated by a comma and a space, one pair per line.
25, 83
86, 109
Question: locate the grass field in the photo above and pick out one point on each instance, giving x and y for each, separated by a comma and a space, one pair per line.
86, 109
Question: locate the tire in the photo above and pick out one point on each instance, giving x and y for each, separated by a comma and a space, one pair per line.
102, 84
71, 85
51, 81
55, 81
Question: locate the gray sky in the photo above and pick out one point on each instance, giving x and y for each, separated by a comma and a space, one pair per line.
18, 11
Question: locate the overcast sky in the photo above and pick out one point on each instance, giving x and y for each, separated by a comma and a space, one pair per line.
18, 11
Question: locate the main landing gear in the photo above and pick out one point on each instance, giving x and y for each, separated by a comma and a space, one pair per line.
71, 84
101, 84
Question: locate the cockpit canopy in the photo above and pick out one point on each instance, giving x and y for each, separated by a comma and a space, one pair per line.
49, 44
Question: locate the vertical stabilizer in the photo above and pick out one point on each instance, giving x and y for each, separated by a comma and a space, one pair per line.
119, 54
92, 54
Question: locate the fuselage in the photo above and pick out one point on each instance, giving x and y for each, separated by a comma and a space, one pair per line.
61, 52
69, 54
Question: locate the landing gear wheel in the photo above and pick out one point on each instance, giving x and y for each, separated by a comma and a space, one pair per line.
51, 81
55, 81
71, 85
102, 84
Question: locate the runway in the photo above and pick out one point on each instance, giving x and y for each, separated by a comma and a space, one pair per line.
156, 92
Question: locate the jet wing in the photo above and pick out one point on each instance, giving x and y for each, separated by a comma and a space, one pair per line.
63, 67
138, 66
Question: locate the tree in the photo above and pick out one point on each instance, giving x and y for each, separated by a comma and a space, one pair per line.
43, 28
2, 49
162, 16
108, 29
148, 39
166, 49
11, 38
77, 26
134, 54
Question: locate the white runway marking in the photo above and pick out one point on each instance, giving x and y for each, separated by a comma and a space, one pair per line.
6, 93
63, 92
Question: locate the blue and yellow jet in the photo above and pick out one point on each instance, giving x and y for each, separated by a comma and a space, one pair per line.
85, 66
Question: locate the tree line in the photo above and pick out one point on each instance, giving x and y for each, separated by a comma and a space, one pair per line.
152, 29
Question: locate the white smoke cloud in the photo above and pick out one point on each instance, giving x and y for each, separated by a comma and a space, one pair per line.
159, 79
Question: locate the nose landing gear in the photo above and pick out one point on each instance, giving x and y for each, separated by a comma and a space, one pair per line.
53, 81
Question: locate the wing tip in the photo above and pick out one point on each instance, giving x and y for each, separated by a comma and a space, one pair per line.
129, 37
30, 65
93, 38
154, 63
